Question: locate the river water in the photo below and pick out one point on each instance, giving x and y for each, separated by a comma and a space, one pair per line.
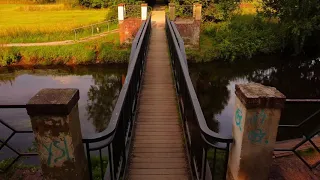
215, 86
214, 83
99, 88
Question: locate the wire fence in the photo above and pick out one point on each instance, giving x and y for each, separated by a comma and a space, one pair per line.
184, 11
95, 29
135, 11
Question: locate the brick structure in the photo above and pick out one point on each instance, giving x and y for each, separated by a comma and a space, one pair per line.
128, 28
189, 31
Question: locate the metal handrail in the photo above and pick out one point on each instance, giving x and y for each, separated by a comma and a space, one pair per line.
115, 114
207, 132
296, 101
201, 141
117, 137
306, 137
5, 142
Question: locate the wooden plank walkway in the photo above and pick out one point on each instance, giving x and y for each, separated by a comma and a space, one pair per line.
158, 151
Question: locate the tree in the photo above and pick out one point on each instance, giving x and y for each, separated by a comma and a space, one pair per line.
101, 99
299, 19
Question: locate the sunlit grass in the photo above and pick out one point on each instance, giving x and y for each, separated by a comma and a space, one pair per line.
41, 23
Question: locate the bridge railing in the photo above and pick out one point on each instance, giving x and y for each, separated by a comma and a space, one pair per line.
303, 130
207, 151
19, 155
117, 137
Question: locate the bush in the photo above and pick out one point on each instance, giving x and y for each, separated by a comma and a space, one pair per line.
241, 37
112, 13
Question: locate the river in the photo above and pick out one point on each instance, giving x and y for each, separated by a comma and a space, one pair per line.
215, 87
99, 88
214, 84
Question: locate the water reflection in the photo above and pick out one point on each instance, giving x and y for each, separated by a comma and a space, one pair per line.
102, 97
215, 83
99, 88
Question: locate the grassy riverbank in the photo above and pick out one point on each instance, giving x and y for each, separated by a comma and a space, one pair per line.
101, 51
241, 37
51, 22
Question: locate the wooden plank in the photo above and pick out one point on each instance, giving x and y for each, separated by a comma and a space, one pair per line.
157, 145
157, 160
137, 138
173, 171
158, 134
163, 165
158, 141
158, 151
158, 177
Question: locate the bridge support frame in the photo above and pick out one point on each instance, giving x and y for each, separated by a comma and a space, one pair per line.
55, 122
255, 126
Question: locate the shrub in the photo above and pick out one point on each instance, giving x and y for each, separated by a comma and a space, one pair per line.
241, 37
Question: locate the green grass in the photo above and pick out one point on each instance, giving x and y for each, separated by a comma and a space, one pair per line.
103, 50
18, 23
96, 167
219, 162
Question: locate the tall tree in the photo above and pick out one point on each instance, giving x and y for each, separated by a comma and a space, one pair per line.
300, 19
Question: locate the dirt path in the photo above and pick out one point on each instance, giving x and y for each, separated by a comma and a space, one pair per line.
56, 43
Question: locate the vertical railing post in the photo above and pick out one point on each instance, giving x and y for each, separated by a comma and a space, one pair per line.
172, 11
144, 11
255, 125
56, 125
197, 11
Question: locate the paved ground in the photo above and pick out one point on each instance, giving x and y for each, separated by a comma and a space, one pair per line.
158, 151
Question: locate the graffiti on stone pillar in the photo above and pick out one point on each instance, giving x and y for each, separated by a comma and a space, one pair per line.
238, 118
257, 135
57, 151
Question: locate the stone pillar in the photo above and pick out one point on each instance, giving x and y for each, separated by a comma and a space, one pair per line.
144, 11
197, 8
121, 12
255, 125
56, 126
172, 11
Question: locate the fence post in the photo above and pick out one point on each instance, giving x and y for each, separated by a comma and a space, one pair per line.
91, 30
255, 126
121, 12
172, 11
144, 11
56, 125
197, 11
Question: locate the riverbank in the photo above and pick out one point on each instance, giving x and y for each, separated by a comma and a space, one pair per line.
105, 50
241, 37
248, 31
